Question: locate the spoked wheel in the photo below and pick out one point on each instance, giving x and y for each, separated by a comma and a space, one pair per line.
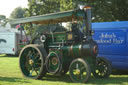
53, 63
103, 68
31, 62
79, 70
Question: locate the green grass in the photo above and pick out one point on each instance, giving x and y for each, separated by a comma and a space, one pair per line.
11, 75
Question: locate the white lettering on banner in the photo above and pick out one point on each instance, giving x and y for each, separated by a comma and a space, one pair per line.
109, 38
107, 35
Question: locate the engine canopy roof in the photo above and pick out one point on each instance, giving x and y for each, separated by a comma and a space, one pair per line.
51, 18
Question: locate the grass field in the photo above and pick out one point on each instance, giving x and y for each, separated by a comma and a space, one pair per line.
11, 75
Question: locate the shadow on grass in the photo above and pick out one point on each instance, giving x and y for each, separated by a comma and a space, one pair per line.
111, 80
66, 78
63, 78
13, 79
9, 55
92, 80
120, 72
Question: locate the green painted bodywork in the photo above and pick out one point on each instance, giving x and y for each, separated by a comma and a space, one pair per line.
57, 42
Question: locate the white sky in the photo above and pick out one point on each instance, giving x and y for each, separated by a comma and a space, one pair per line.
7, 6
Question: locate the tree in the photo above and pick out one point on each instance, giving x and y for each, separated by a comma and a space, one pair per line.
102, 10
39, 7
3, 20
66, 5
109, 10
119, 9
2, 17
17, 13
71, 4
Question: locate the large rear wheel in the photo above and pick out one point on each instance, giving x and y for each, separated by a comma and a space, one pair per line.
31, 61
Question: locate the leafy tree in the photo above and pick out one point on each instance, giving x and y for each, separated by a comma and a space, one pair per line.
71, 4
102, 10
66, 5
17, 13
118, 9
39, 7
2, 17
3, 20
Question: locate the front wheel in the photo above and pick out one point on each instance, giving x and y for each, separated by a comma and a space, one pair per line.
103, 68
79, 70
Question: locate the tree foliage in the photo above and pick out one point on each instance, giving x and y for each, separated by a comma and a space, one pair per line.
102, 10
2, 17
109, 10
17, 13
39, 7
3, 20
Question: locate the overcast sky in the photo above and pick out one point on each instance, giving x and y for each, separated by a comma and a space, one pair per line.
7, 6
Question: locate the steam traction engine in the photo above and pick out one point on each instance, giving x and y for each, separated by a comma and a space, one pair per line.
60, 51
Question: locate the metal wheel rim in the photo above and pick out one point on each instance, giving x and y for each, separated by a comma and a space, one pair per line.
82, 69
102, 68
31, 62
51, 67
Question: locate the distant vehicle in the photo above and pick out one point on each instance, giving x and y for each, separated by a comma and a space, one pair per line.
8, 43
112, 39
10, 40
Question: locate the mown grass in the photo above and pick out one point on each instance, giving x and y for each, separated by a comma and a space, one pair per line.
11, 75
